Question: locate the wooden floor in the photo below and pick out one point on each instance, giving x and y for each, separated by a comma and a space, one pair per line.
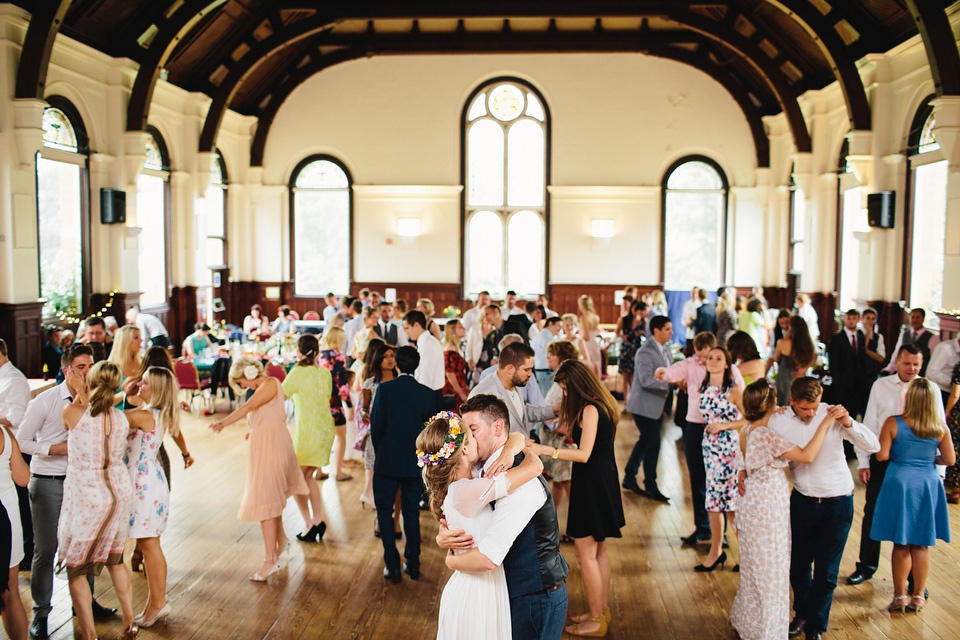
336, 590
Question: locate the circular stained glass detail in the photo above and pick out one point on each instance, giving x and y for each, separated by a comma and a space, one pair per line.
58, 133
506, 102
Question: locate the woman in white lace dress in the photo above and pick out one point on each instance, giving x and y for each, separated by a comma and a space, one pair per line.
473, 605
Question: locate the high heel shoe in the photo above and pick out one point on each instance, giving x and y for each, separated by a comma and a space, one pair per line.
365, 501
258, 577
599, 633
145, 624
314, 533
916, 604
899, 603
702, 568
130, 632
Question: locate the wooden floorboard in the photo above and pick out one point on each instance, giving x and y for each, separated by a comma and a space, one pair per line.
335, 589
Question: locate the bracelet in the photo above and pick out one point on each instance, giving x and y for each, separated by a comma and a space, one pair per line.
556, 454
185, 455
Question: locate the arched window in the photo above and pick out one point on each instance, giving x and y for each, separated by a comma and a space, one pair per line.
851, 227
926, 224
506, 131
798, 230
62, 210
212, 254
320, 227
694, 225
153, 196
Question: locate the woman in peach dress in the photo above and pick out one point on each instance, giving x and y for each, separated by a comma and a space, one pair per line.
273, 473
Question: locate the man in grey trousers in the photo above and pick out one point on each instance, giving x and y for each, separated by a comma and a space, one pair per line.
42, 435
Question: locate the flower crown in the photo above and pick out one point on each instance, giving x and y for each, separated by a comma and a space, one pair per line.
451, 441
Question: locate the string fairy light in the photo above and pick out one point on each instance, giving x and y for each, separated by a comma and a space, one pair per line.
72, 319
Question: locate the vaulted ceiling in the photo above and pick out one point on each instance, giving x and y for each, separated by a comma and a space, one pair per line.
249, 55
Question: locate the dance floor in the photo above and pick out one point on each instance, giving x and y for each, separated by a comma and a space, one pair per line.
335, 589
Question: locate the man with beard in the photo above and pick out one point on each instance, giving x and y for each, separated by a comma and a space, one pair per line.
514, 369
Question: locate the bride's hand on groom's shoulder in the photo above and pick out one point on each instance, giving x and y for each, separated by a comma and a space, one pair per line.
453, 538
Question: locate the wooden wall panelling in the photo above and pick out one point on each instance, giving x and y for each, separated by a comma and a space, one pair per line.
21, 327
182, 314
441, 294
563, 298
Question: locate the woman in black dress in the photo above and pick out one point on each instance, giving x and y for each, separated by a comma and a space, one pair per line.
596, 511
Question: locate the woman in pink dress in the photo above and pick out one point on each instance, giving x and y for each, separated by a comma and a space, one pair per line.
97, 493
761, 609
589, 330
273, 474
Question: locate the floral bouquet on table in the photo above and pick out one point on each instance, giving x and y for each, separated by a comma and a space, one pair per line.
451, 311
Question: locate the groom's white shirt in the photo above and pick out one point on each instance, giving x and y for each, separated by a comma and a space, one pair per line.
510, 516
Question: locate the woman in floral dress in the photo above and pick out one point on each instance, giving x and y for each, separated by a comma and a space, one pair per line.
151, 494
331, 357
97, 493
632, 329
455, 367
761, 609
952, 482
719, 401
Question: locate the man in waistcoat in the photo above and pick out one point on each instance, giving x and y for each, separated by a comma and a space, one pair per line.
918, 335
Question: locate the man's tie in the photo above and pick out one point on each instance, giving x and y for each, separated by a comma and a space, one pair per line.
853, 342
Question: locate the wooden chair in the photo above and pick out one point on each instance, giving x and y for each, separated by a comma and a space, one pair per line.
189, 380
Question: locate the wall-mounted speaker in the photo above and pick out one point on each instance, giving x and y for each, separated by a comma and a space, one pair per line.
113, 206
880, 209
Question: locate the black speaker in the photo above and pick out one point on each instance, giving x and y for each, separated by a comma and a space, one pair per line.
113, 206
881, 208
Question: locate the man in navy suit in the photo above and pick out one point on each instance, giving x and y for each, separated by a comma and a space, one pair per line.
846, 350
400, 409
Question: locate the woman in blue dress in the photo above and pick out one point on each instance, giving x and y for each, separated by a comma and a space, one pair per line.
911, 507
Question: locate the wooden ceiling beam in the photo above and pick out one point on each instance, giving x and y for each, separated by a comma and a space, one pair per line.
942, 53
45, 22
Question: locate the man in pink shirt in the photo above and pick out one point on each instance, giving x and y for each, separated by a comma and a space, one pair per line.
690, 373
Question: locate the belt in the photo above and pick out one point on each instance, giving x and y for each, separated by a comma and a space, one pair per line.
545, 591
43, 477
819, 500
543, 369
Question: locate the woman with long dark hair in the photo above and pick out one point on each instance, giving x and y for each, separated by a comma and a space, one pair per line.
794, 355
744, 352
596, 510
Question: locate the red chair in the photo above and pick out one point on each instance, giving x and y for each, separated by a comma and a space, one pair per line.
294, 314
189, 379
276, 371
311, 315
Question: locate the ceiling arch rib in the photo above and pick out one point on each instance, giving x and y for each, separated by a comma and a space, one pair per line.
843, 65
941, 47
163, 44
270, 46
45, 21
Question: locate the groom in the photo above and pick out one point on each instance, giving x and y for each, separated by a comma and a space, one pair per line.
523, 535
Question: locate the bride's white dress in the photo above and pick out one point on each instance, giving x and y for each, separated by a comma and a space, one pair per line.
474, 606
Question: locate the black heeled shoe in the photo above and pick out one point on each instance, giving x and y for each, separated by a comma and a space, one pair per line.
702, 568
314, 534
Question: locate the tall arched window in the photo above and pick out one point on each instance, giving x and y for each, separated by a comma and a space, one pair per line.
320, 227
506, 132
926, 225
212, 254
851, 226
153, 197
62, 214
694, 225
798, 230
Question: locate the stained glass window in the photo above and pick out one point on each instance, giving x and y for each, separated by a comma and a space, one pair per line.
320, 227
695, 206
927, 141
58, 131
154, 155
505, 149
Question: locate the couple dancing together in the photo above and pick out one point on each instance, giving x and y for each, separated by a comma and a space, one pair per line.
498, 524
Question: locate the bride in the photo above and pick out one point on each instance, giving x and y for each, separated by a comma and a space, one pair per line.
473, 605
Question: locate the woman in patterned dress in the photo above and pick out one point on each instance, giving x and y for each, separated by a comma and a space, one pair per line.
632, 330
309, 386
97, 493
331, 357
454, 365
761, 609
719, 402
952, 482
151, 494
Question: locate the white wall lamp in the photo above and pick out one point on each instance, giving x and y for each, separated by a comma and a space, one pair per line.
408, 229
601, 229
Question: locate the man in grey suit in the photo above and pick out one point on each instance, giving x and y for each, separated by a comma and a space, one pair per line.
646, 402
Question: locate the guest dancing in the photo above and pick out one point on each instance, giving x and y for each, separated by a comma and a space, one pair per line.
596, 510
911, 508
794, 355
555, 435
309, 386
13, 473
761, 608
97, 493
273, 474
720, 398
632, 330
151, 494
331, 357
952, 482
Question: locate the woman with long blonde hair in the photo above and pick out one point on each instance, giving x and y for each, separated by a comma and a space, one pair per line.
596, 509
425, 306
332, 358
151, 493
590, 331
456, 387
911, 508
126, 350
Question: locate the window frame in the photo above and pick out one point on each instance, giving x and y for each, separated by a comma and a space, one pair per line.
164, 173
224, 186
725, 188
914, 159
291, 193
507, 211
60, 155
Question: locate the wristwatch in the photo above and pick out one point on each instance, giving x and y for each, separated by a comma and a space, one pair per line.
556, 454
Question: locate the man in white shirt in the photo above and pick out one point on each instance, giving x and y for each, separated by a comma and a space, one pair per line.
510, 306
331, 307
42, 436
351, 327
473, 317
886, 399
689, 314
389, 331
918, 335
152, 331
430, 372
942, 363
821, 504
14, 392
514, 370
542, 370
543, 300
